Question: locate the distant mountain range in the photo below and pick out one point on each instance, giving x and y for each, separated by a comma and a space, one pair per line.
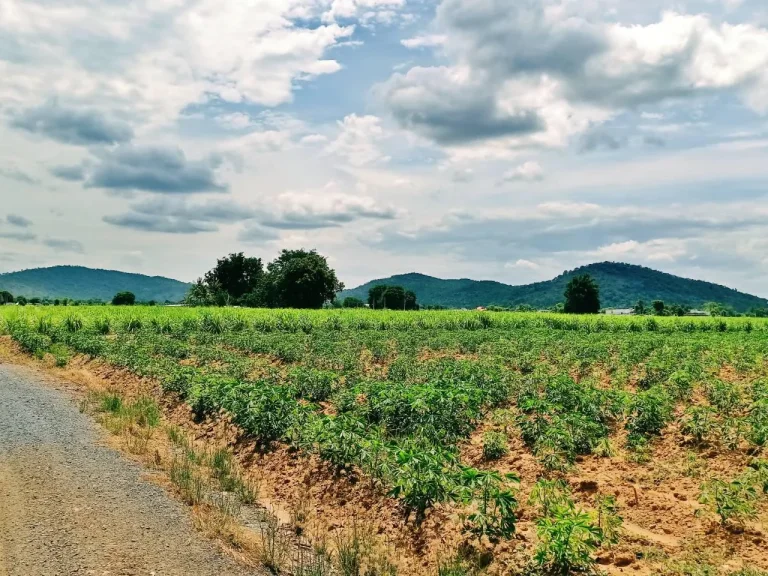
81, 283
621, 286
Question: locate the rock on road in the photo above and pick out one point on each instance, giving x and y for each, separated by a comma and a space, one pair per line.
71, 505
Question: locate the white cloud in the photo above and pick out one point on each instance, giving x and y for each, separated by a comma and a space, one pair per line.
151, 59
525, 264
535, 72
328, 207
358, 140
382, 10
428, 41
528, 172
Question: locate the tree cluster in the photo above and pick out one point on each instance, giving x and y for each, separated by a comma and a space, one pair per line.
582, 295
295, 279
382, 297
6, 297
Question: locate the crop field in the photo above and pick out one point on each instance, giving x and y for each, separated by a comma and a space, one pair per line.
468, 442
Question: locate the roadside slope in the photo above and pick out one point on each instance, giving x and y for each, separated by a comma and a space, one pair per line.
69, 505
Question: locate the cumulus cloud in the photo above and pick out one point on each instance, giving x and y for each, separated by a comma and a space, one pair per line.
18, 236
72, 173
565, 227
177, 216
527, 172
598, 140
18, 221
451, 106
257, 234
164, 170
428, 41
537, 71
358, 140
72, 125
326, 208
155, 223
60, 245
149, 60
13, 172
381, 10
522, 263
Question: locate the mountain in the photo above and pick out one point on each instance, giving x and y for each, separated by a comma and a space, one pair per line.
86, 283
621, 286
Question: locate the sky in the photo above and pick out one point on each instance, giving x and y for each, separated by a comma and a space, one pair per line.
488, 139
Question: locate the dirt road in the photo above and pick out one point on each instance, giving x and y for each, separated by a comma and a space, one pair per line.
71, 505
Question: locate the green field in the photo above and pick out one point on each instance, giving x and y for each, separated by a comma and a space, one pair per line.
398, 397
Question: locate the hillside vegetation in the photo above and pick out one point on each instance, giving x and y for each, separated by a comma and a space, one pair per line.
621, 286
81, 283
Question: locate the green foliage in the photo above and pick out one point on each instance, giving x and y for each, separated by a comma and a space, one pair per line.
352, 302
621, 286
649, 413
425, 476
124, 299
568, 540
496, 504
89, 285
734, 502
494, 445
582, 295
301, 279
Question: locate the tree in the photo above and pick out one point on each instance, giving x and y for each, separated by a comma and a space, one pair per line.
301, 279
352, 302
6, 297
21, 301
658, 307
376, 296
124, 299
639, 308
582, 295
236, 275
392, 298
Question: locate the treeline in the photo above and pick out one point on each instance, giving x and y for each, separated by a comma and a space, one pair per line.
715, 309
295, 279
120, 299
383, 297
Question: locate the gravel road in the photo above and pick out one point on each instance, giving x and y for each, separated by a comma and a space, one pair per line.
71, 505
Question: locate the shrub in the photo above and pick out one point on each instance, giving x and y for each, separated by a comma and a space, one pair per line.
567, 541
649, 412
732, 501
494, 445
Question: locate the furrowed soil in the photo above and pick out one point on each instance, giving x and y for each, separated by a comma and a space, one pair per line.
666, 531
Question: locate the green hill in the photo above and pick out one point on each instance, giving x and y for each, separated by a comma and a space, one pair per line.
621, 286
81, 283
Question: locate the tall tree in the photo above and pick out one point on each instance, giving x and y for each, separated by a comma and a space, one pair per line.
376, 296
582, 295
236, 275
6, 297
301, 279
658, 307
123, 299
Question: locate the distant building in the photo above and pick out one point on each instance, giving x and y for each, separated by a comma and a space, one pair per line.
481, 308
620, 312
